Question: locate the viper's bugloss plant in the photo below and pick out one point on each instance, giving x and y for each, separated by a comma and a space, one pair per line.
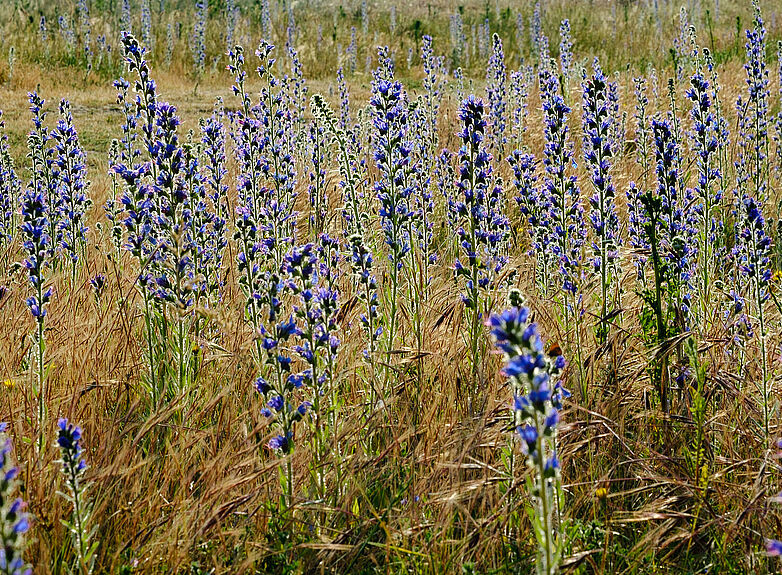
752, 254
371, 320
482, 225
519, 84
173, 266
666, 229
497, 96
395, 185
215, 203
315, 312
198, 39
351, 167
317, 188
14, 520
10, 194
535, 207
565, 55
706, 141
537, 400
69, 169
73, 468
281, 389
599, 152
752, 165
36, 243
566, 212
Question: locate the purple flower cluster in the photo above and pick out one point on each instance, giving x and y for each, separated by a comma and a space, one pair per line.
598, 155
566, 213
14, 520
538, 396
69, 170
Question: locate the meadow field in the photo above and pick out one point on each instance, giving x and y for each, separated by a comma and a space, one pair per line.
373, 287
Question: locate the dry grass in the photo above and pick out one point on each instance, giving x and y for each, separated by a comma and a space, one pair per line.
189, 485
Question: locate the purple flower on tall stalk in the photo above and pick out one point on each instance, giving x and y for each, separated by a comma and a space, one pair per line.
565, 53
497, 95
677, 232
752, 255
362, 263
397, 169
198, 40
14, 520
67, 34
458, 41
752, 166
535, 206
295, 90
637, 220
146, 27
351, 52
317, 189
125, 20
434, 82
706, 143
69, 170
344, 101
266, 21
43, 31
537, 400
247, 136
36, 243
313, 280
352, 168
211, 212
232, 15
73, 468
520, 81
10, 193
599, 151
482, 226
566, 213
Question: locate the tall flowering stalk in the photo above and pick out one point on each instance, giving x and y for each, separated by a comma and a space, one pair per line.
315, 315
599, 151
537, 400
173, 267
14, 520
317, 189
519, 95
753, 112
198, 40
706, 143
565, 55
277, 162
36, 243
566, 213
73, 468
69, 169
40, 155
665, 227
146, 27
351, 166
362, 264
247, 139
497, 95
534, 206
393, 188
752, 253
213, 142
281, 388
10, 194
483, 227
